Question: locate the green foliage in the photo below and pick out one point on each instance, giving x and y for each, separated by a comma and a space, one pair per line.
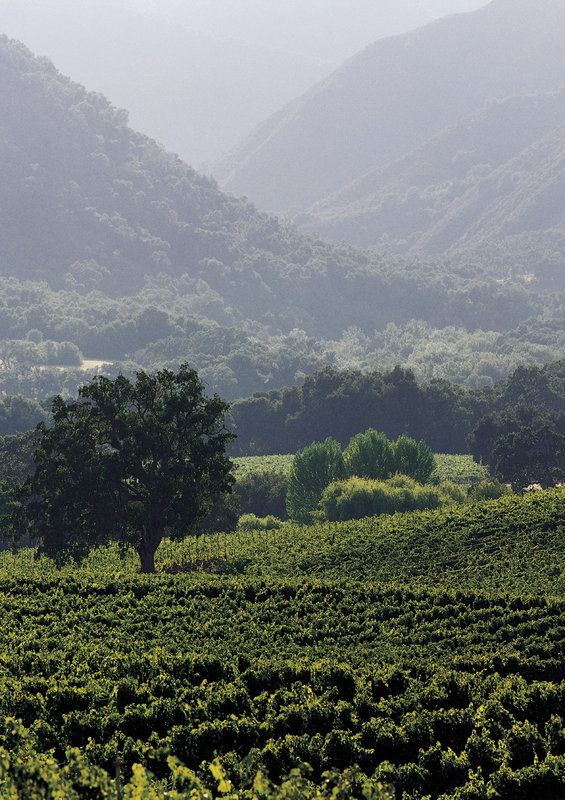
19, 414
342, 403
513, 544
261, 493
412, 458
316, 478
26, 773
29, 353
421, 687
312, 470
356, 497
459, 469
452, 493
126, 461
250, 522
251, 465
489, 490
17, 455
369, 455
530, 456
443, 691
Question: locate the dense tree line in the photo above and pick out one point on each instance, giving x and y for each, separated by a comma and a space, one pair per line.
343, 403
42, 330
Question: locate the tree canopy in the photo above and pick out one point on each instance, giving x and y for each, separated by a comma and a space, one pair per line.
126, 461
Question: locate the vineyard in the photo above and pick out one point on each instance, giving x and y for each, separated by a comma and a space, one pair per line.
368, 650
245, 465
460, 469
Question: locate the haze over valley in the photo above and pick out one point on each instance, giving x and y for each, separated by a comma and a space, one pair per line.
453, 176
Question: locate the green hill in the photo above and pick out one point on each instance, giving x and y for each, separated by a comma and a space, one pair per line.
513, 544
88, 204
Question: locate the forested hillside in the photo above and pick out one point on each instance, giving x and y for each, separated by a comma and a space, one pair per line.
115, 250
88, 204
394, 96
494, 175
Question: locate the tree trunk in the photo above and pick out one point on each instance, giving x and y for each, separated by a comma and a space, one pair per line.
153, 533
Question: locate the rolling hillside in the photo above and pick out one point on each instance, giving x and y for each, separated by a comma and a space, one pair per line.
393, 97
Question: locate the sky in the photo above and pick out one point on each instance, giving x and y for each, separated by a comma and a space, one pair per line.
329, 29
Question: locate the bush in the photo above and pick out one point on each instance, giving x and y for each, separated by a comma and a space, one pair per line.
413, 458
452, 493
489, 490
249, 522
356, 497
262, 493
369, 455
312, 470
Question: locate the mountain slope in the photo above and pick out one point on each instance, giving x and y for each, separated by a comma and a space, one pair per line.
495, 174
196, 93
524, 195
394, 96
88, 205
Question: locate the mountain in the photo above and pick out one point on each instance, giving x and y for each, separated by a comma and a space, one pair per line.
111, 245
393, 97
89, 205
196, 93
495, 174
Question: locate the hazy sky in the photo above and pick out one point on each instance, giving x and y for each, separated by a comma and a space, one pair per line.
329, 29
198, 75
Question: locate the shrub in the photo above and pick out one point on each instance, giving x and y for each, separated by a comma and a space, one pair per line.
452, 493
413, 458
312, 470
356, 497
262, 493
249, 522
369, 455
489, 490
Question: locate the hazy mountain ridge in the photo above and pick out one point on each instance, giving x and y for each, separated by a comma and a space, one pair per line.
133, 247
89, 205
196, 93
328, 29
394, 96
475, 183
527, 194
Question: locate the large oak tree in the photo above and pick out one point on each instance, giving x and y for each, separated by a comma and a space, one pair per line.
127, 461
